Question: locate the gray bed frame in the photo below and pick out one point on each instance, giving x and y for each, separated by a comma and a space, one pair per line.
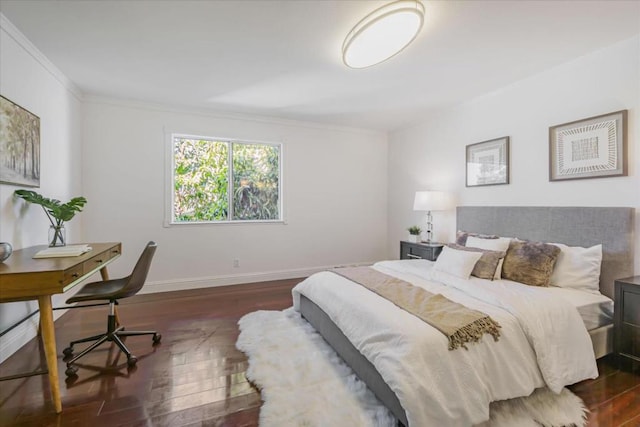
574, 226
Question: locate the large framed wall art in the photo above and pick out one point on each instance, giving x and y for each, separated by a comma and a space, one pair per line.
488, 162
590, 148
19, 145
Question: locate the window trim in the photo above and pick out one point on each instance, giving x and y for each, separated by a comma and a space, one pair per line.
169, 219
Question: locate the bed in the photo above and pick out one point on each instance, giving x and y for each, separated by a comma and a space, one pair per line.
611, 227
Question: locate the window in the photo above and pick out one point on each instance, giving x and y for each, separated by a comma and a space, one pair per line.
216, 180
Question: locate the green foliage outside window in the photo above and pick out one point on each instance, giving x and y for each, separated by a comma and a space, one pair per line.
255, 182
201, 181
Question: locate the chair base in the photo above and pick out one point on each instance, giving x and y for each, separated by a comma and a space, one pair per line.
113, 334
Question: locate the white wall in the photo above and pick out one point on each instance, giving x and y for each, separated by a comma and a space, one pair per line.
30, 80
432, 155
334, 185
113, 153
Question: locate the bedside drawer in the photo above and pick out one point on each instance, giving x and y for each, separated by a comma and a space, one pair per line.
413, 252
630, 340
631, 308
410, 250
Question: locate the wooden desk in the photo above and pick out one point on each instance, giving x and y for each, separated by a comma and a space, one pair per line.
23, 278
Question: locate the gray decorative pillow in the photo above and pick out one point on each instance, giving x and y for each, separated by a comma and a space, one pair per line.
530, 263
461, 237
486, 266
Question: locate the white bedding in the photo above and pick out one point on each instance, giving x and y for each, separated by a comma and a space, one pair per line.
440, 387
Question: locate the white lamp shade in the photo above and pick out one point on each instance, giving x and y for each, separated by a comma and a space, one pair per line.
431, 201
383, 33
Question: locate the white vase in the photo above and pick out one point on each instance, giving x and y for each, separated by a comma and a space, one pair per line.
413, 238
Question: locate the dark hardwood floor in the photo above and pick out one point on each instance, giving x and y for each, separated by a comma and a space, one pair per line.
196, 376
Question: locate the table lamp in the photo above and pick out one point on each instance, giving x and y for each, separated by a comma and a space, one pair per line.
430, 201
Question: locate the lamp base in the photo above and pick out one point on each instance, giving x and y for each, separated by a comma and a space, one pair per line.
429, 232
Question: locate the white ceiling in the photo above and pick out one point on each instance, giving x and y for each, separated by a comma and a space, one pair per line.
283, 58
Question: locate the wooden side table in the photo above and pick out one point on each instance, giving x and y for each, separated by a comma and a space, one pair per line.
626, 339
428, 251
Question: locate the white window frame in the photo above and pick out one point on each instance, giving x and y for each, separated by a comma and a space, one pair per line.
170, 181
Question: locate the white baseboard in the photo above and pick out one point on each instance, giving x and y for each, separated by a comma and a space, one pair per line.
12, 341
233, 279
15, 339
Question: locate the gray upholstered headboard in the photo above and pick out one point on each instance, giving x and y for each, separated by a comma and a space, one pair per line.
574, 226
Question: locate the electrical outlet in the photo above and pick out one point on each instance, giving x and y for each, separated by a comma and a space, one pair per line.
236, 263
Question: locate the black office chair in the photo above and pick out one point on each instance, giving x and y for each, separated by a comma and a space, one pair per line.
112, 291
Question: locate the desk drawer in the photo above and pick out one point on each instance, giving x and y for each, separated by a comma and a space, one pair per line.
95, 261
114, 252
72, 274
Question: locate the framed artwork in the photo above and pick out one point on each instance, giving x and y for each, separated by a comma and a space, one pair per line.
488, 162
590, 148
19, 145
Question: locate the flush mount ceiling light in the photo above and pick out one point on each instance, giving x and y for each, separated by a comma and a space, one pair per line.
383, 33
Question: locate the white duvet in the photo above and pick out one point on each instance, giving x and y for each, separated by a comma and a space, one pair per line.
543, 342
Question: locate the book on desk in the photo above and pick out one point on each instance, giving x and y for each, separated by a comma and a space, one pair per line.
63, 251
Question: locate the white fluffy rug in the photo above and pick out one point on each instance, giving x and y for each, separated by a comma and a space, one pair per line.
305, 383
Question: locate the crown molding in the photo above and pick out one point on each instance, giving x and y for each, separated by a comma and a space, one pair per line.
22, 40
185, 109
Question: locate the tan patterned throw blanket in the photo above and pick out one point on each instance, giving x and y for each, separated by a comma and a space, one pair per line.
458, 323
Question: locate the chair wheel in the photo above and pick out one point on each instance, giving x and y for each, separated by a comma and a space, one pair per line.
68, 351
156, 338
71, 371
131, 361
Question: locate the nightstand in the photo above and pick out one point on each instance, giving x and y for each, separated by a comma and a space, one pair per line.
626, 339
428, 251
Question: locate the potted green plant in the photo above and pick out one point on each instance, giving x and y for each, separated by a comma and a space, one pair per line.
56, 211
414, 233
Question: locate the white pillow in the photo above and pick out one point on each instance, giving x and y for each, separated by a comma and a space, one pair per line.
457, 263
577, 267
500, 244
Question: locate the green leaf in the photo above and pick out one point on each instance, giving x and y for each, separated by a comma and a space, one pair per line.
53, 207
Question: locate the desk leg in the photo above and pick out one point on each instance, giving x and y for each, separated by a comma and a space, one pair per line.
49, 339
105, 276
